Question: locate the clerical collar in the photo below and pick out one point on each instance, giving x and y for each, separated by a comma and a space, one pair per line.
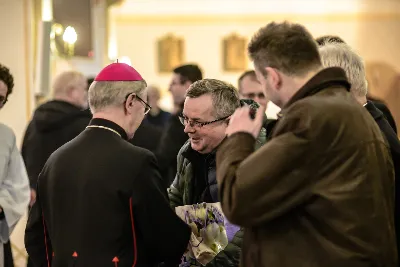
108, 126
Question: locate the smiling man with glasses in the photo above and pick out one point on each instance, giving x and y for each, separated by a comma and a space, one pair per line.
207, 109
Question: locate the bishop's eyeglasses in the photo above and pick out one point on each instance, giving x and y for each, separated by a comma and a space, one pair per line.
197, 124
147, 107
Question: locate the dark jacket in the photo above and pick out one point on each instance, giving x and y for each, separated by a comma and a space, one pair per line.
321, 191
386, 113
53, 124
147, 136
394, 145
158, 120
171, 141
97, 206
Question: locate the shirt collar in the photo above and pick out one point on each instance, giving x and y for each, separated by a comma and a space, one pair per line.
109, 124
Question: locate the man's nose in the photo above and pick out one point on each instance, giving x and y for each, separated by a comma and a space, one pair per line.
188, 128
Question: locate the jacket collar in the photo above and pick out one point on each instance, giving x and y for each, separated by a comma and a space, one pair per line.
322, 80
373, 110
192, 155
109, 124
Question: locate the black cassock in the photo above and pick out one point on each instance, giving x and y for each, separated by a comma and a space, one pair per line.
101, 202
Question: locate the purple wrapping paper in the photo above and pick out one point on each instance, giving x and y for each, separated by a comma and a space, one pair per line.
231, 230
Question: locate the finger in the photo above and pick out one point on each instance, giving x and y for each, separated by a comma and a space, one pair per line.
260, 114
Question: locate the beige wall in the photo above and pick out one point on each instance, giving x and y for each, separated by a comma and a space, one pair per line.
15, 53
375, 35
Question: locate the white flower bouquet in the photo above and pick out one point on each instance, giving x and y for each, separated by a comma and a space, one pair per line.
209, 231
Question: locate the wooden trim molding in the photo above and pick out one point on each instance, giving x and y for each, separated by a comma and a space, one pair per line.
27, 47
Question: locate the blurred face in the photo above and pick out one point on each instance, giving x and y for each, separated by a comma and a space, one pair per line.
267, 86
80, 94
3, 93
204, 139
252, 89
153, 98
177, 89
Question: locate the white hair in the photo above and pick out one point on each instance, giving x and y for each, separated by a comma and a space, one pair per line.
112, 94
341, 55
67, 80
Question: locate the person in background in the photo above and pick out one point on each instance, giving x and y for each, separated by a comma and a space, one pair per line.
55, 123
156, 116
100, 201
320, 191
250, 88
327, 39
147, 136
173, 136
209, 104
14, 182
89, 80
341, 55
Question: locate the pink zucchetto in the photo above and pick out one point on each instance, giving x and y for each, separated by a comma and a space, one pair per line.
118, 72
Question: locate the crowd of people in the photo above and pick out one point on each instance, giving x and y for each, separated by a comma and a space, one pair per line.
102, 167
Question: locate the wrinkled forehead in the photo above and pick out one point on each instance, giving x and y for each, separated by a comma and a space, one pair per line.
199, 108
3, 88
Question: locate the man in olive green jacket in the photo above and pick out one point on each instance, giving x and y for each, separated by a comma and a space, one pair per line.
208, 106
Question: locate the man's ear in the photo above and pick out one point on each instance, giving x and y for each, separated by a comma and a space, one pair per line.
129, 101
274, 77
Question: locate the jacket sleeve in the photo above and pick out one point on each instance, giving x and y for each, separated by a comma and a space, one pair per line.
257, 187
14, 183
37, 240
175, 191
230, 256
163, 232
32, 156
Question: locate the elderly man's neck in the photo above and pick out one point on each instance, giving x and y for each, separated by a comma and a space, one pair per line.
115, 115
361, 100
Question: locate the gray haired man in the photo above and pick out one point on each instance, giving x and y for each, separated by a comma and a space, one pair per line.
341, 55
208, 106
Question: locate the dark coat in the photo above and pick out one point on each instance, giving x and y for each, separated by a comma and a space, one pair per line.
147, 136
100, 199
172, 139
394, 145
386, 113
320, 192
53, 124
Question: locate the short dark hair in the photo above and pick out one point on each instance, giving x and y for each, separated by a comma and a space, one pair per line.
7, 78
224, 95
189, 72
288, 47
249, 73
89, 81
325, 39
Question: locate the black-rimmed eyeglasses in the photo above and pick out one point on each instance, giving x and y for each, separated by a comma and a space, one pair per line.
197, 124
147, 107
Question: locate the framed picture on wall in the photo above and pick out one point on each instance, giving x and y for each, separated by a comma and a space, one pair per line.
170, 53
234, 53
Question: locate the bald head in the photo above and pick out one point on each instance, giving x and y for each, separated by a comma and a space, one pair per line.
71, 87
66, 82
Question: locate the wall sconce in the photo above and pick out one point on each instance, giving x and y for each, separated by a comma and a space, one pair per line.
65, 39
69, 38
